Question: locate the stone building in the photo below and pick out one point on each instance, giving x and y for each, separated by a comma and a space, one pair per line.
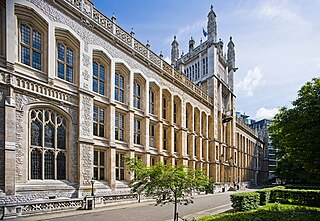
78, 94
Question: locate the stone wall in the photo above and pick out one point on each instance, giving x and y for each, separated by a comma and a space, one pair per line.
2, 136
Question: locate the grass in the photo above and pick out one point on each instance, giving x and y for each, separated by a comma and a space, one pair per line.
270, 212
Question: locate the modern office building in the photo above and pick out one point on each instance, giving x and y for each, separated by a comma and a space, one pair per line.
270, 152
78, 94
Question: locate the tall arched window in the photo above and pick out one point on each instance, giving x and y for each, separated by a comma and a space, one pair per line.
48, 144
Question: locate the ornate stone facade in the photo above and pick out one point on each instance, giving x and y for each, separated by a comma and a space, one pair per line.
116, 98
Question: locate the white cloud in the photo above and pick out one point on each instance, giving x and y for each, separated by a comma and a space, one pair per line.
264, 113
250, 81
280, 11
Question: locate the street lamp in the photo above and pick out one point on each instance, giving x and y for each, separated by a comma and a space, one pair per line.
92, 183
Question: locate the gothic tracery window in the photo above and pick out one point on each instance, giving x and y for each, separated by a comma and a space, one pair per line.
48, 144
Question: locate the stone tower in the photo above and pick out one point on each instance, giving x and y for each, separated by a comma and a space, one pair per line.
212, 26
174, 51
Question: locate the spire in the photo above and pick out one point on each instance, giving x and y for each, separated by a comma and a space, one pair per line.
212, 26
191, 44
231, 55
174, 51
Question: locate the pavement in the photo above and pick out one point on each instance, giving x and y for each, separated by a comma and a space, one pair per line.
205, 205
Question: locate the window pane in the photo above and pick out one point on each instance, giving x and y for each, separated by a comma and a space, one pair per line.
69, 76
61, 137
95, 158
36, 60
95, 113
121, 82
36, 43
61, 166
121, 97
101, 173
49, 135
101, 117
116, 94
49, 165
121, 174
95, 69
60, 70
25, 34
69, 56
36, 164
25, 55
121, 135
95, 173
116, 133
101, 88
60, 52
101, 130
116, 79
121, 125
95, 85
95, 129
36, 133
101, 158
102, 72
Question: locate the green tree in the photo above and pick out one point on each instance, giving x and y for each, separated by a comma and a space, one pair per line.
165, 183
296, 133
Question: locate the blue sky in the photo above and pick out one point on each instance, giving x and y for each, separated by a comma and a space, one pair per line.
277, 41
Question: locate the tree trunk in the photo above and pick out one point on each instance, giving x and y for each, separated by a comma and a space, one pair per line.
175, 207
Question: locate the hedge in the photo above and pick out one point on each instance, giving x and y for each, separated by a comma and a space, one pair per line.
302, 187
299, 197
265, 194
245, 201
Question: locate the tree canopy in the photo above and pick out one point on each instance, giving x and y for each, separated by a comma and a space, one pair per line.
295, 132
167, 184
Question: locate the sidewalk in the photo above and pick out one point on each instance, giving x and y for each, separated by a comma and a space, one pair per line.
62, 214
124, 205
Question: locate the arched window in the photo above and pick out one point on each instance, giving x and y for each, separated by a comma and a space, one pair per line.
48, 144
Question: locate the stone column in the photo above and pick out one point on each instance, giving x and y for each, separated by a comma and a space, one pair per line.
10, 145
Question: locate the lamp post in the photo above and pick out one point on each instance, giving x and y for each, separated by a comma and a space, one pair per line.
92, 183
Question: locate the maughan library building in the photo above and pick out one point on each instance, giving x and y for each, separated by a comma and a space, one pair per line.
78, 94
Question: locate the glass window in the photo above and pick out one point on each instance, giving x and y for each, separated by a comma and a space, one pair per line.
136, 95
203, 66
65, 62
175, 142
119, 88
152, 135
98, 78
99, 157
98, 121
137, 131
151, 102
165, 139
206, 65
48, 144
119, 126
164, 108
175, 113
119, 166
31, 46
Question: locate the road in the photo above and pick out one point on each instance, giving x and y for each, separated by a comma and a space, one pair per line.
147, 211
